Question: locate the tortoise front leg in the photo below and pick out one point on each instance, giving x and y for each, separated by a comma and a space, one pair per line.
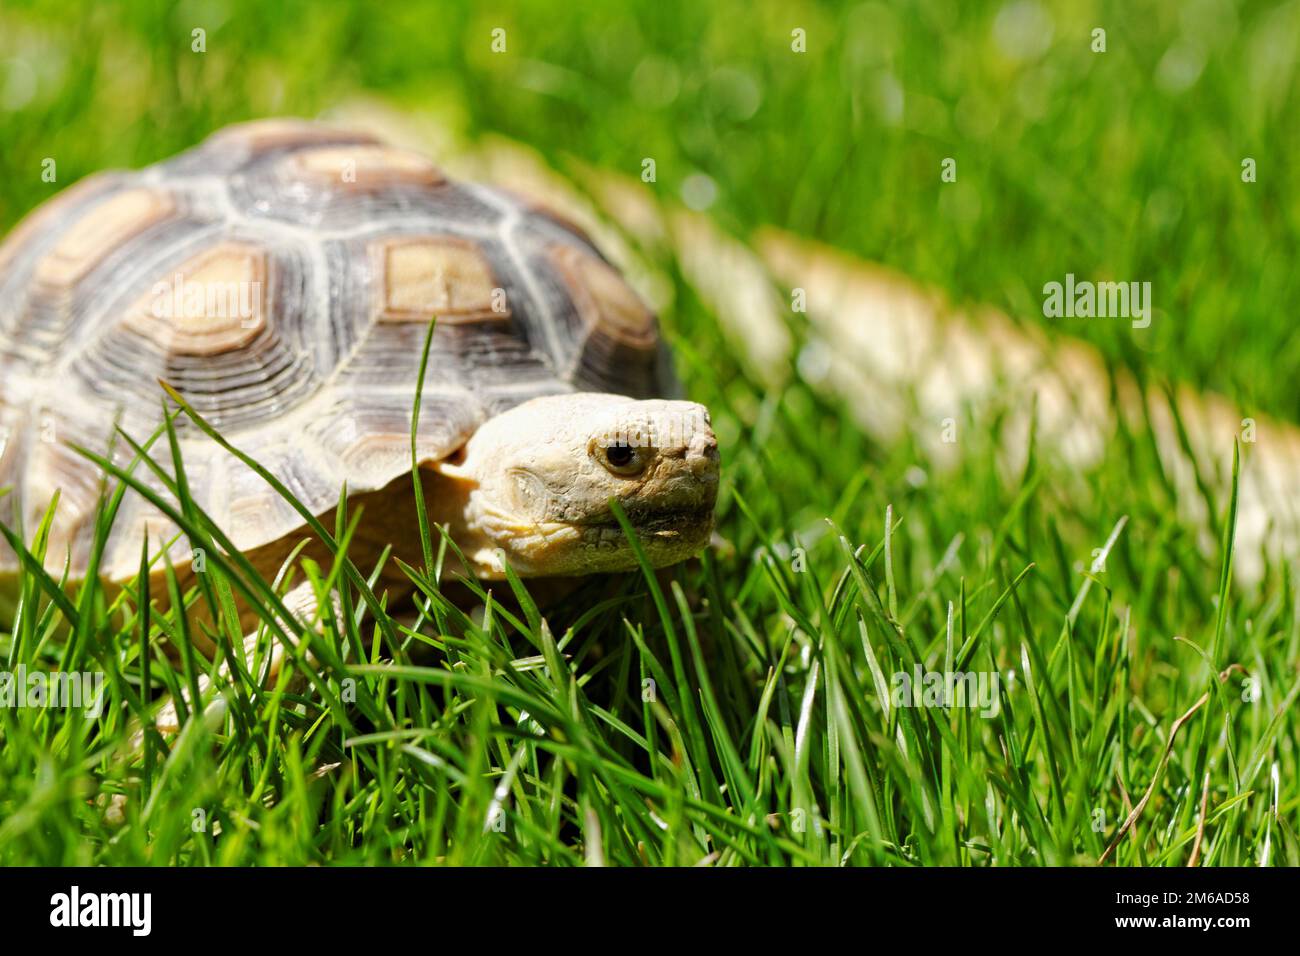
301, 603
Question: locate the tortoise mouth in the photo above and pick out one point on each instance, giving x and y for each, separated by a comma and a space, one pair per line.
656, 522
667, 536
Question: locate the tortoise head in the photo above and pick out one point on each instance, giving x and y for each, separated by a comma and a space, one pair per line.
540, 478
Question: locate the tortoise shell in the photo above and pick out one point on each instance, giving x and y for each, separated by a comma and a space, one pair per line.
281, 277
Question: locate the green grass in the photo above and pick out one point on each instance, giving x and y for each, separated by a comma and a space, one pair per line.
508, 734
1068, 160
766, 739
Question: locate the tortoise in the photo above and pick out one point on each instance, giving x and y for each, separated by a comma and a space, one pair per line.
281, 277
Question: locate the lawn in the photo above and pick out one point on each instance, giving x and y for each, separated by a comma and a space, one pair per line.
743, 709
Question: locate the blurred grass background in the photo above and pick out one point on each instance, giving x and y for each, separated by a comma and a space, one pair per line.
1123, 165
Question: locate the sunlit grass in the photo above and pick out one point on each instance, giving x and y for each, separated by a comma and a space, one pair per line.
1123, 165
733, 710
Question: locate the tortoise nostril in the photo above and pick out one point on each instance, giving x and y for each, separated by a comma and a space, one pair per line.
702, 454
703, 445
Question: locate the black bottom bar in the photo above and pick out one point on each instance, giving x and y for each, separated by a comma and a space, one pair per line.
334, 906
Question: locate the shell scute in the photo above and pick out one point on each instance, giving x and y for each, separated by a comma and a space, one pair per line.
424, 276
104, 228
361, 167
215, 302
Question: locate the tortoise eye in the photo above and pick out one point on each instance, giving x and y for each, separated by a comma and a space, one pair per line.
622, 459
620, 456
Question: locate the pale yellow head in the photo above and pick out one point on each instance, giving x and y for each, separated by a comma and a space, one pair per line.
537, 481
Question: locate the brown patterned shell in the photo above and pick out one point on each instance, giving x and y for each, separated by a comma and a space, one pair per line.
281, 277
